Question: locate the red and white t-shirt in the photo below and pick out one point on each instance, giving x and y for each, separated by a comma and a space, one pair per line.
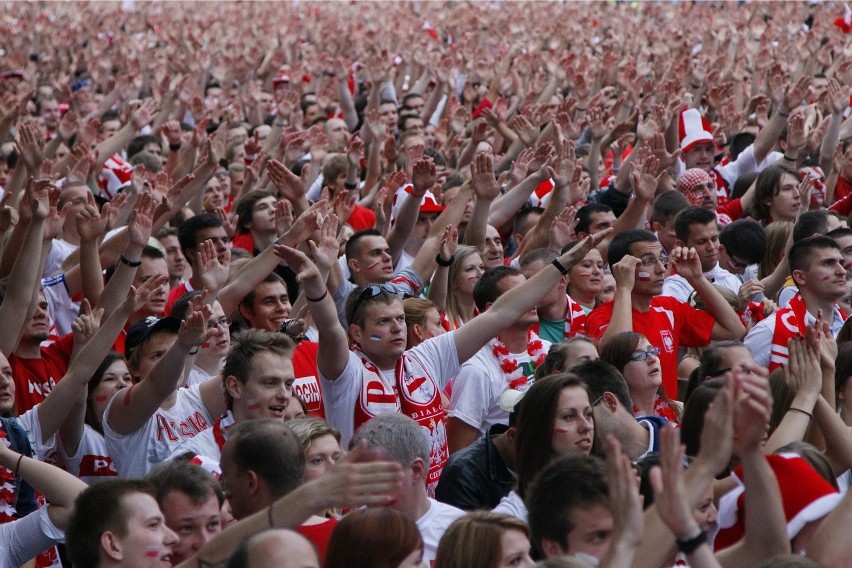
91, 463
35, 378
413, 388
307, 384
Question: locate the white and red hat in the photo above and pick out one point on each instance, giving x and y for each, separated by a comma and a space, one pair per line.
429, 203
115, 174
806, 497
693, 129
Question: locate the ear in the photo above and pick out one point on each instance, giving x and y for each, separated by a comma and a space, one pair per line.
563, 282
611, 401
355, 333
679, 243
488, 305
418, 469
418, 331
245, 311
798, 277
254, 481
551, 549
232, 385
656, 226
519, 240
354, 265
111, 546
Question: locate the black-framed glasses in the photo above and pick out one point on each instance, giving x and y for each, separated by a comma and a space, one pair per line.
643, 354
737, 264
370, 292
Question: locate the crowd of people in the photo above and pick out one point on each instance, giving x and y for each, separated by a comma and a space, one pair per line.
463, 285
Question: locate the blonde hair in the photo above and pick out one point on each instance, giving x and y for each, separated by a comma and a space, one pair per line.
452, 307
309, 429
777, 235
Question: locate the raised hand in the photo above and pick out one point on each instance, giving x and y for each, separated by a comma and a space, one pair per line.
625, 500
86, 324
91, 223
193, 330
143, 116
449, 243
30, 149
8, 215
669, 489
423, 176
325, 251
562, 228
212, 273
137, 297
802, 372
283, 216
752, 409
482, 177
141, 220
644, 178
686, 263
289, 185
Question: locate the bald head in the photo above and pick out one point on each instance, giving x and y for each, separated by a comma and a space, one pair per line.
276, 548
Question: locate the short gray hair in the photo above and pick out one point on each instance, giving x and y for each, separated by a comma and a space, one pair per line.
402, 437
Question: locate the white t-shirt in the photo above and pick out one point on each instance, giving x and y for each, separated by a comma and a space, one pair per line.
676, 286
512, 505
434, 524
62, 309
26, 538
197, 375
202, 444
136, 453
478, 387
59, 251
44, 452
91, 463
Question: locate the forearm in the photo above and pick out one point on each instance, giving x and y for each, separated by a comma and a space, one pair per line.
57, 486
22, 287
505, 206
718, 307
838, 440
404, 225
622, 316
347, 105
115, 143
91, 273
12, 248
374, 167
433, 101
766, 533
828, 146
768, 136
592, 163
794, 425
117, 287
474, 235
438, 288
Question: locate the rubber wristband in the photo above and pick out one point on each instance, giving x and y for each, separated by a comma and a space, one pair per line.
315, 300
783, 114
442, 262
18, 464
174, 147
805, 412
350, 186
130, 263
559, 266
691, 545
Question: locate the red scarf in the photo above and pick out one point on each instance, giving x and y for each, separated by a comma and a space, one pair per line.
789, 323
413, 392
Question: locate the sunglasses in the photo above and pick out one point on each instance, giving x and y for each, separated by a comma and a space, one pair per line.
369, 293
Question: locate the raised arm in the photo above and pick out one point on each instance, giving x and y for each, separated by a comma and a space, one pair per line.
333, 353
142, 400
357, 480
508, 308
55, 413
24, 276
728, 325
59, 487
486, 190
423, 178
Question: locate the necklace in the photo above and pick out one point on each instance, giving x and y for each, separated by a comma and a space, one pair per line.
513, 370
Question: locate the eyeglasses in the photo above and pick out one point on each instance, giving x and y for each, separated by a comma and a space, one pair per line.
597, 401
369, 293
737, 264
221, 321
652, 261
643, 354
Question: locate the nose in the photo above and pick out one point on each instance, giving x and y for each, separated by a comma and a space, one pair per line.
586, 424
169, 537
120, 383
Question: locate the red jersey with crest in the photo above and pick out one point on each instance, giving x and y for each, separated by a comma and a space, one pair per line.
668, 324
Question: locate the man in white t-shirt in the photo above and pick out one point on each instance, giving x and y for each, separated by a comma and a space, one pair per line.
379, 375
507, 361
406, 442
144, 423
258, 383
695, 227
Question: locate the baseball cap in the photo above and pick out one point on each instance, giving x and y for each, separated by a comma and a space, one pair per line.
140, 331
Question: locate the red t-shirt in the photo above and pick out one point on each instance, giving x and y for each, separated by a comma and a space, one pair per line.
175, 294
669, 324
319, 534
35, 378
244, 241
842, 188
307, 385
